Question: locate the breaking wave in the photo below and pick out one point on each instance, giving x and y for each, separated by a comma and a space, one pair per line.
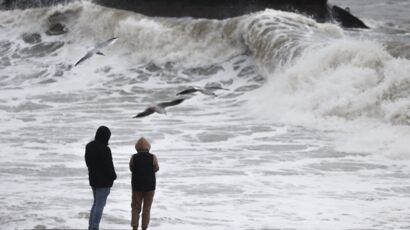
304, 70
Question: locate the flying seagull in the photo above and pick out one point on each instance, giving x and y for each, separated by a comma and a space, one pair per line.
159, 108
96, 49
207, 90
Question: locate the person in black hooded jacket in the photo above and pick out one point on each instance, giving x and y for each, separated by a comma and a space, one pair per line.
101, 173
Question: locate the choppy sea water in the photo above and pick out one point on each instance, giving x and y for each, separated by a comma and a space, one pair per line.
312, 134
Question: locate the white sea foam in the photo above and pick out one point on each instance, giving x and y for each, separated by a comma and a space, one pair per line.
345, 80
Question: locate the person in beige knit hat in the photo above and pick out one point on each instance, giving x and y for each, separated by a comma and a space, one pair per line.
143, 166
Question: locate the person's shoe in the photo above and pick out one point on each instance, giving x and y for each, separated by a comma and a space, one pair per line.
134, 228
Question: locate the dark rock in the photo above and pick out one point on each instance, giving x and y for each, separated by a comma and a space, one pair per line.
56, 29
221, 9
31, 38
216, 9
346, 19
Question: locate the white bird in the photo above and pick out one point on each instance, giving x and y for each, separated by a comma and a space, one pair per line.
159, 108
96, 49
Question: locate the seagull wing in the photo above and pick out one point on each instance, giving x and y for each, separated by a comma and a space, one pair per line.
188, 91
86, 56
171, 103
147, 112
107, 43
97, 49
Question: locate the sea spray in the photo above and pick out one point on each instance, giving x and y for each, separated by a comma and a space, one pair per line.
342, 84
276, 38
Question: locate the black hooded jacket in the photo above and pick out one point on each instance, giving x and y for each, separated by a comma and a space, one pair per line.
101, 172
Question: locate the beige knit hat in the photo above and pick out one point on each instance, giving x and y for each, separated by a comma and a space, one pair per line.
142, 145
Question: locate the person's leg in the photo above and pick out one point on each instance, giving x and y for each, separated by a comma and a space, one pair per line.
92, 209
135, 208
101, 195
146, 210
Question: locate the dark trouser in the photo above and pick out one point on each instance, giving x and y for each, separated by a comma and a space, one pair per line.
100, 198
144, 200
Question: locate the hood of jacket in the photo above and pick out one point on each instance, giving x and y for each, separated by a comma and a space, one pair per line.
142, 145
102, 135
